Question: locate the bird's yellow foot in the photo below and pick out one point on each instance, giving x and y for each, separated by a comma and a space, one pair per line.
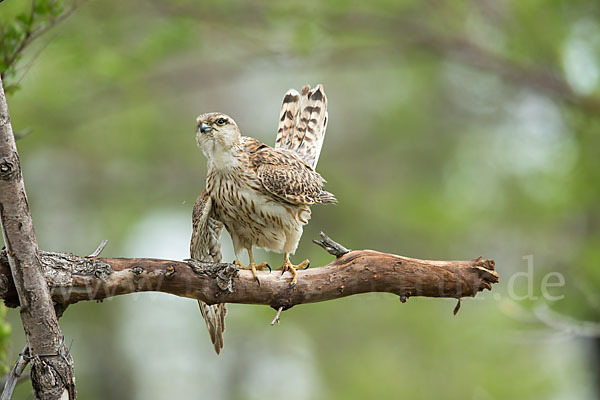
253, 267
293, 268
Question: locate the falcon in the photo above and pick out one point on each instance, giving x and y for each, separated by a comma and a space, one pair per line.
260, 194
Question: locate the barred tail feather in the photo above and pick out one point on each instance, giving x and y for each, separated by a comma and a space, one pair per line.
214, 316
327, 198
287, 118
304, 134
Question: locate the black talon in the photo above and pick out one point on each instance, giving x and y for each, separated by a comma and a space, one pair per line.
257, 281
283, 269
292, 285
307, 265
268, 266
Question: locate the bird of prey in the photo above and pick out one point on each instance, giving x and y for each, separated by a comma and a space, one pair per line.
260, 194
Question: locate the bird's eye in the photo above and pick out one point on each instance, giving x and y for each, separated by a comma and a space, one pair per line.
221, 121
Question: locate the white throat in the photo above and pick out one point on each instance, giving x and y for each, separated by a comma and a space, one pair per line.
222, 157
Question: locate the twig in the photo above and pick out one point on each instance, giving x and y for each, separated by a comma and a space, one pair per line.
21, 134
99, 249
32, 59
456, 308
15, 373
276, 319
9, 60
31, 35
24, 377
330, 246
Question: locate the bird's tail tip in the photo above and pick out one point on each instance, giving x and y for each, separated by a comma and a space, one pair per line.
327, 198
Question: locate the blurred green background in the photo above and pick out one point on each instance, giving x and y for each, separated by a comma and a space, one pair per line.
456, 129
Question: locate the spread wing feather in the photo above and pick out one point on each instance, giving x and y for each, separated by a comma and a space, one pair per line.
205, 246
303, 122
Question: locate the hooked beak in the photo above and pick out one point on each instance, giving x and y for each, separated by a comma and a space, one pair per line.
204, 127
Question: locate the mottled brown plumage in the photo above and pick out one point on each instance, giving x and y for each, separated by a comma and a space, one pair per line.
259, 193
285, 175
205, 246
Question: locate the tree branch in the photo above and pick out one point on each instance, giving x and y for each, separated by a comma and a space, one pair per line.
73, 279
51, 366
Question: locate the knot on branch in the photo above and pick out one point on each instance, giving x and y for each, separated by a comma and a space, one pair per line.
4, 118
50, 372
223, 273
9, 167
52, 377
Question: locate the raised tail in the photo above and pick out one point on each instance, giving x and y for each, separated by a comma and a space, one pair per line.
303, 122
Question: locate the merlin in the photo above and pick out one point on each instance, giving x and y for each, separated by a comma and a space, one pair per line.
260, 194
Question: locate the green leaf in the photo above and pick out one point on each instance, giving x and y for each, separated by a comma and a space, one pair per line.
11, 88
43, 7
25, 19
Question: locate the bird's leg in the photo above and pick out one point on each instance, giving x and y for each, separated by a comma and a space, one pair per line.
260, 266
287, 264
252, 266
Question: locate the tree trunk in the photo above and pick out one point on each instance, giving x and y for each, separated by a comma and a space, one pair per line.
51, 365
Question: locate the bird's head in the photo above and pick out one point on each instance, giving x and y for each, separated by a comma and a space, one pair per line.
216, 132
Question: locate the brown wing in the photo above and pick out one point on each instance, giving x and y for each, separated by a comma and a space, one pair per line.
286, 176
205, 246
